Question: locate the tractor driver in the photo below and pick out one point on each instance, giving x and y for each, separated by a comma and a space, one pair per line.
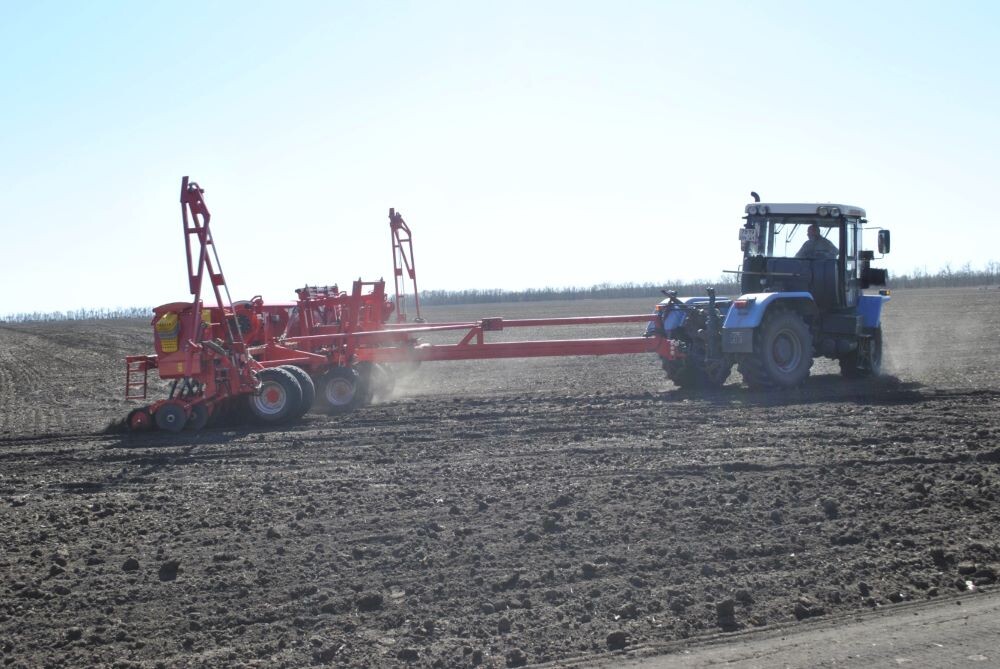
817, 246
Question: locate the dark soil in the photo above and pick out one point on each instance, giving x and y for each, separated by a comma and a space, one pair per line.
494, 513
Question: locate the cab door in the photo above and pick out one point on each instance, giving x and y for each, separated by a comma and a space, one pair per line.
851, 245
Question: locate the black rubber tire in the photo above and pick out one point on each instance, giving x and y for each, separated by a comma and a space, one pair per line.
171, 417
279, 397
384, 381
680, 372
368, 374
198, 418
783, 352
693, 372
139, 420
863, 365
308, 388
340, 390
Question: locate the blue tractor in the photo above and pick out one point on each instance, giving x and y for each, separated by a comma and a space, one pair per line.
802, 287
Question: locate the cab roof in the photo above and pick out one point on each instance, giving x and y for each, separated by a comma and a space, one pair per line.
804, 209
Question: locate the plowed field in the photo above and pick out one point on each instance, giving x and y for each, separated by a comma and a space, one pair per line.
495, 513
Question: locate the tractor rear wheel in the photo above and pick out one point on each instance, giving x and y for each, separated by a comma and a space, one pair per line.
171, 417
340, 390
279, 397
866, 361
783, 352
308, 388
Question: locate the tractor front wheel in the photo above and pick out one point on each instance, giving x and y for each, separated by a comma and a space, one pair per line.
279, 397
783, 352
866, 360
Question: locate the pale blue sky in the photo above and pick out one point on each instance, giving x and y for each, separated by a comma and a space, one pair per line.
528, 144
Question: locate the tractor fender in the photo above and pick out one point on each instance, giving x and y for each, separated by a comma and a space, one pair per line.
750, 316
870, 309
747, 313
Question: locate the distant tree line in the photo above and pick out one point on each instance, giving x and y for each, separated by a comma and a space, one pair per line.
945, 277
118, 313
948, 277
600, 291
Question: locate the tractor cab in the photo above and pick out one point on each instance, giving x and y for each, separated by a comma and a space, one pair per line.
811, 248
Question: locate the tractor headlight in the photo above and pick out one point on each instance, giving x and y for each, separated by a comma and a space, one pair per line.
752, 210
823, 211
835, 211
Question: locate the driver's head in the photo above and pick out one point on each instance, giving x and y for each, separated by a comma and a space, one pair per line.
813, 231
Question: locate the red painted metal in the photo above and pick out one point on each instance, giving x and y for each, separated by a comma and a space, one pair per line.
198, 348
326, 326
403, 261
329, 328
136, 372
213, 353
198, 241
385, 346
522, 349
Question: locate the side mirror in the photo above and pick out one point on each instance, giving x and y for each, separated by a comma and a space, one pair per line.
883, 241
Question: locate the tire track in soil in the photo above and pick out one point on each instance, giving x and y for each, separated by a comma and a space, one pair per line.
502, 526
356, 534
72, 374
19, 381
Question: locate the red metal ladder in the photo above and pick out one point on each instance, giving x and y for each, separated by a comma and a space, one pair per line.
136, 371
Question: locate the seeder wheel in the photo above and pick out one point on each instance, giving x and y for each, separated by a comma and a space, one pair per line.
307, 385
199, 417
367, 375
139, 420
279, 397
171, 417
376, 381
383, 380
341, 390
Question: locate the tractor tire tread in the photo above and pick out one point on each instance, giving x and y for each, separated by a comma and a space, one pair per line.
753, 368
849, 368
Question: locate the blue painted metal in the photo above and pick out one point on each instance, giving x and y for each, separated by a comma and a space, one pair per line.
675, 317
753, 314
870, 308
